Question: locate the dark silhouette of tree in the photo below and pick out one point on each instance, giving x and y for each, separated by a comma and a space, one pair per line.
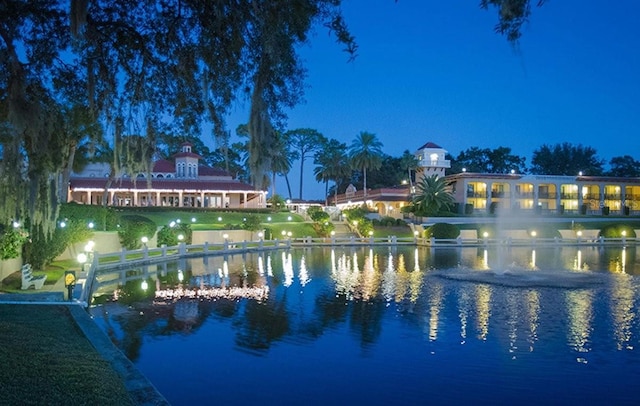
305, 142
624, 166
332, 163
365, 153
566, 159
485, 160
409, 163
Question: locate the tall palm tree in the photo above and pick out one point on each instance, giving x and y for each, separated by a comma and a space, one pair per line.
432, 195
409, 163
365, 153
281, 159
331, 164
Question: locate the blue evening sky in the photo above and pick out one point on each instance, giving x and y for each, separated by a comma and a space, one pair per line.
436, 71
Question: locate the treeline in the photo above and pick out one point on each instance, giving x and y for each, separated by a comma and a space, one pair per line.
558, 159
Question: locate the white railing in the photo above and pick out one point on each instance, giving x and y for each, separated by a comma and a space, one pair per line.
132, 258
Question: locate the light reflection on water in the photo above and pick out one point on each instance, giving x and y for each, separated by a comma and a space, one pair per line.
379, 325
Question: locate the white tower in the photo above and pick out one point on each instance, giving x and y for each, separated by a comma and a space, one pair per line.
431, 161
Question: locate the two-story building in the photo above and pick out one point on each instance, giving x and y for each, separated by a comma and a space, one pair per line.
490, 192
181, 182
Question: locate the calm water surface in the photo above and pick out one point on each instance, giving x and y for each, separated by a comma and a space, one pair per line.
381, 326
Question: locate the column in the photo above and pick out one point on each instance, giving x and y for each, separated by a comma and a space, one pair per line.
489, 199
180, 202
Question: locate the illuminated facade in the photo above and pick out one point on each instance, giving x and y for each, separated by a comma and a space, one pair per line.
183, 182
491, 192
546, 193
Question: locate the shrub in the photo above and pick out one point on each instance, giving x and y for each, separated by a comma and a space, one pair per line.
277, 203
615, 231
11, 240
169, 236
133, 228
251, 223
442, 231
317, 214
104, 218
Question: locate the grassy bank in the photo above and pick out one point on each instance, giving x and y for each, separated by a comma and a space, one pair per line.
47, 360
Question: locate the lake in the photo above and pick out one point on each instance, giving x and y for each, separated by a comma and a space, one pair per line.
378, 325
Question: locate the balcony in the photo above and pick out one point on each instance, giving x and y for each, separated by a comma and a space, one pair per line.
438, 163
547, 195
569, 196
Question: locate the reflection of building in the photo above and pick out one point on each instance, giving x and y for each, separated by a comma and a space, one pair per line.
488, 192
183, 182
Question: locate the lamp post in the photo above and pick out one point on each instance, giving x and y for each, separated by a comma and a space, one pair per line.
82, 260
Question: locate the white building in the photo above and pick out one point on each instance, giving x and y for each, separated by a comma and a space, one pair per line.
183, 182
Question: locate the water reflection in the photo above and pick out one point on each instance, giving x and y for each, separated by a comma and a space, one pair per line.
374, 296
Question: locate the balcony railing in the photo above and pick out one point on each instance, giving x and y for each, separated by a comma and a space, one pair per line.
437, 163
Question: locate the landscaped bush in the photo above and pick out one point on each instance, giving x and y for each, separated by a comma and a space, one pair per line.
169, 236
317, 214
442, 231
251, 223
104, 218
41, 249
277, 203
389, 222
615, 231
545, 231
11, 240
133, 228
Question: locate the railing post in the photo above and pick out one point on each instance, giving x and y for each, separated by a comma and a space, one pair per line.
145, 251
244, 245
163, 248
182, 248
206, 247
123, 255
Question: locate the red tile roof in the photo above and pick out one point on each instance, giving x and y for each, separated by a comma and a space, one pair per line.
164, 166
430, 145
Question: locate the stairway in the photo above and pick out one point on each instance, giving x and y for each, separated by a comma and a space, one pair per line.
342, 230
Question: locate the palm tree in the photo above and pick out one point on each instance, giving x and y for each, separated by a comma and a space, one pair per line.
365, 153
332, 164
281, 158
409, 163
432, 195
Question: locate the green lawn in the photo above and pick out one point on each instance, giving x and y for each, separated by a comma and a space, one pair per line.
47, 360
215, 220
